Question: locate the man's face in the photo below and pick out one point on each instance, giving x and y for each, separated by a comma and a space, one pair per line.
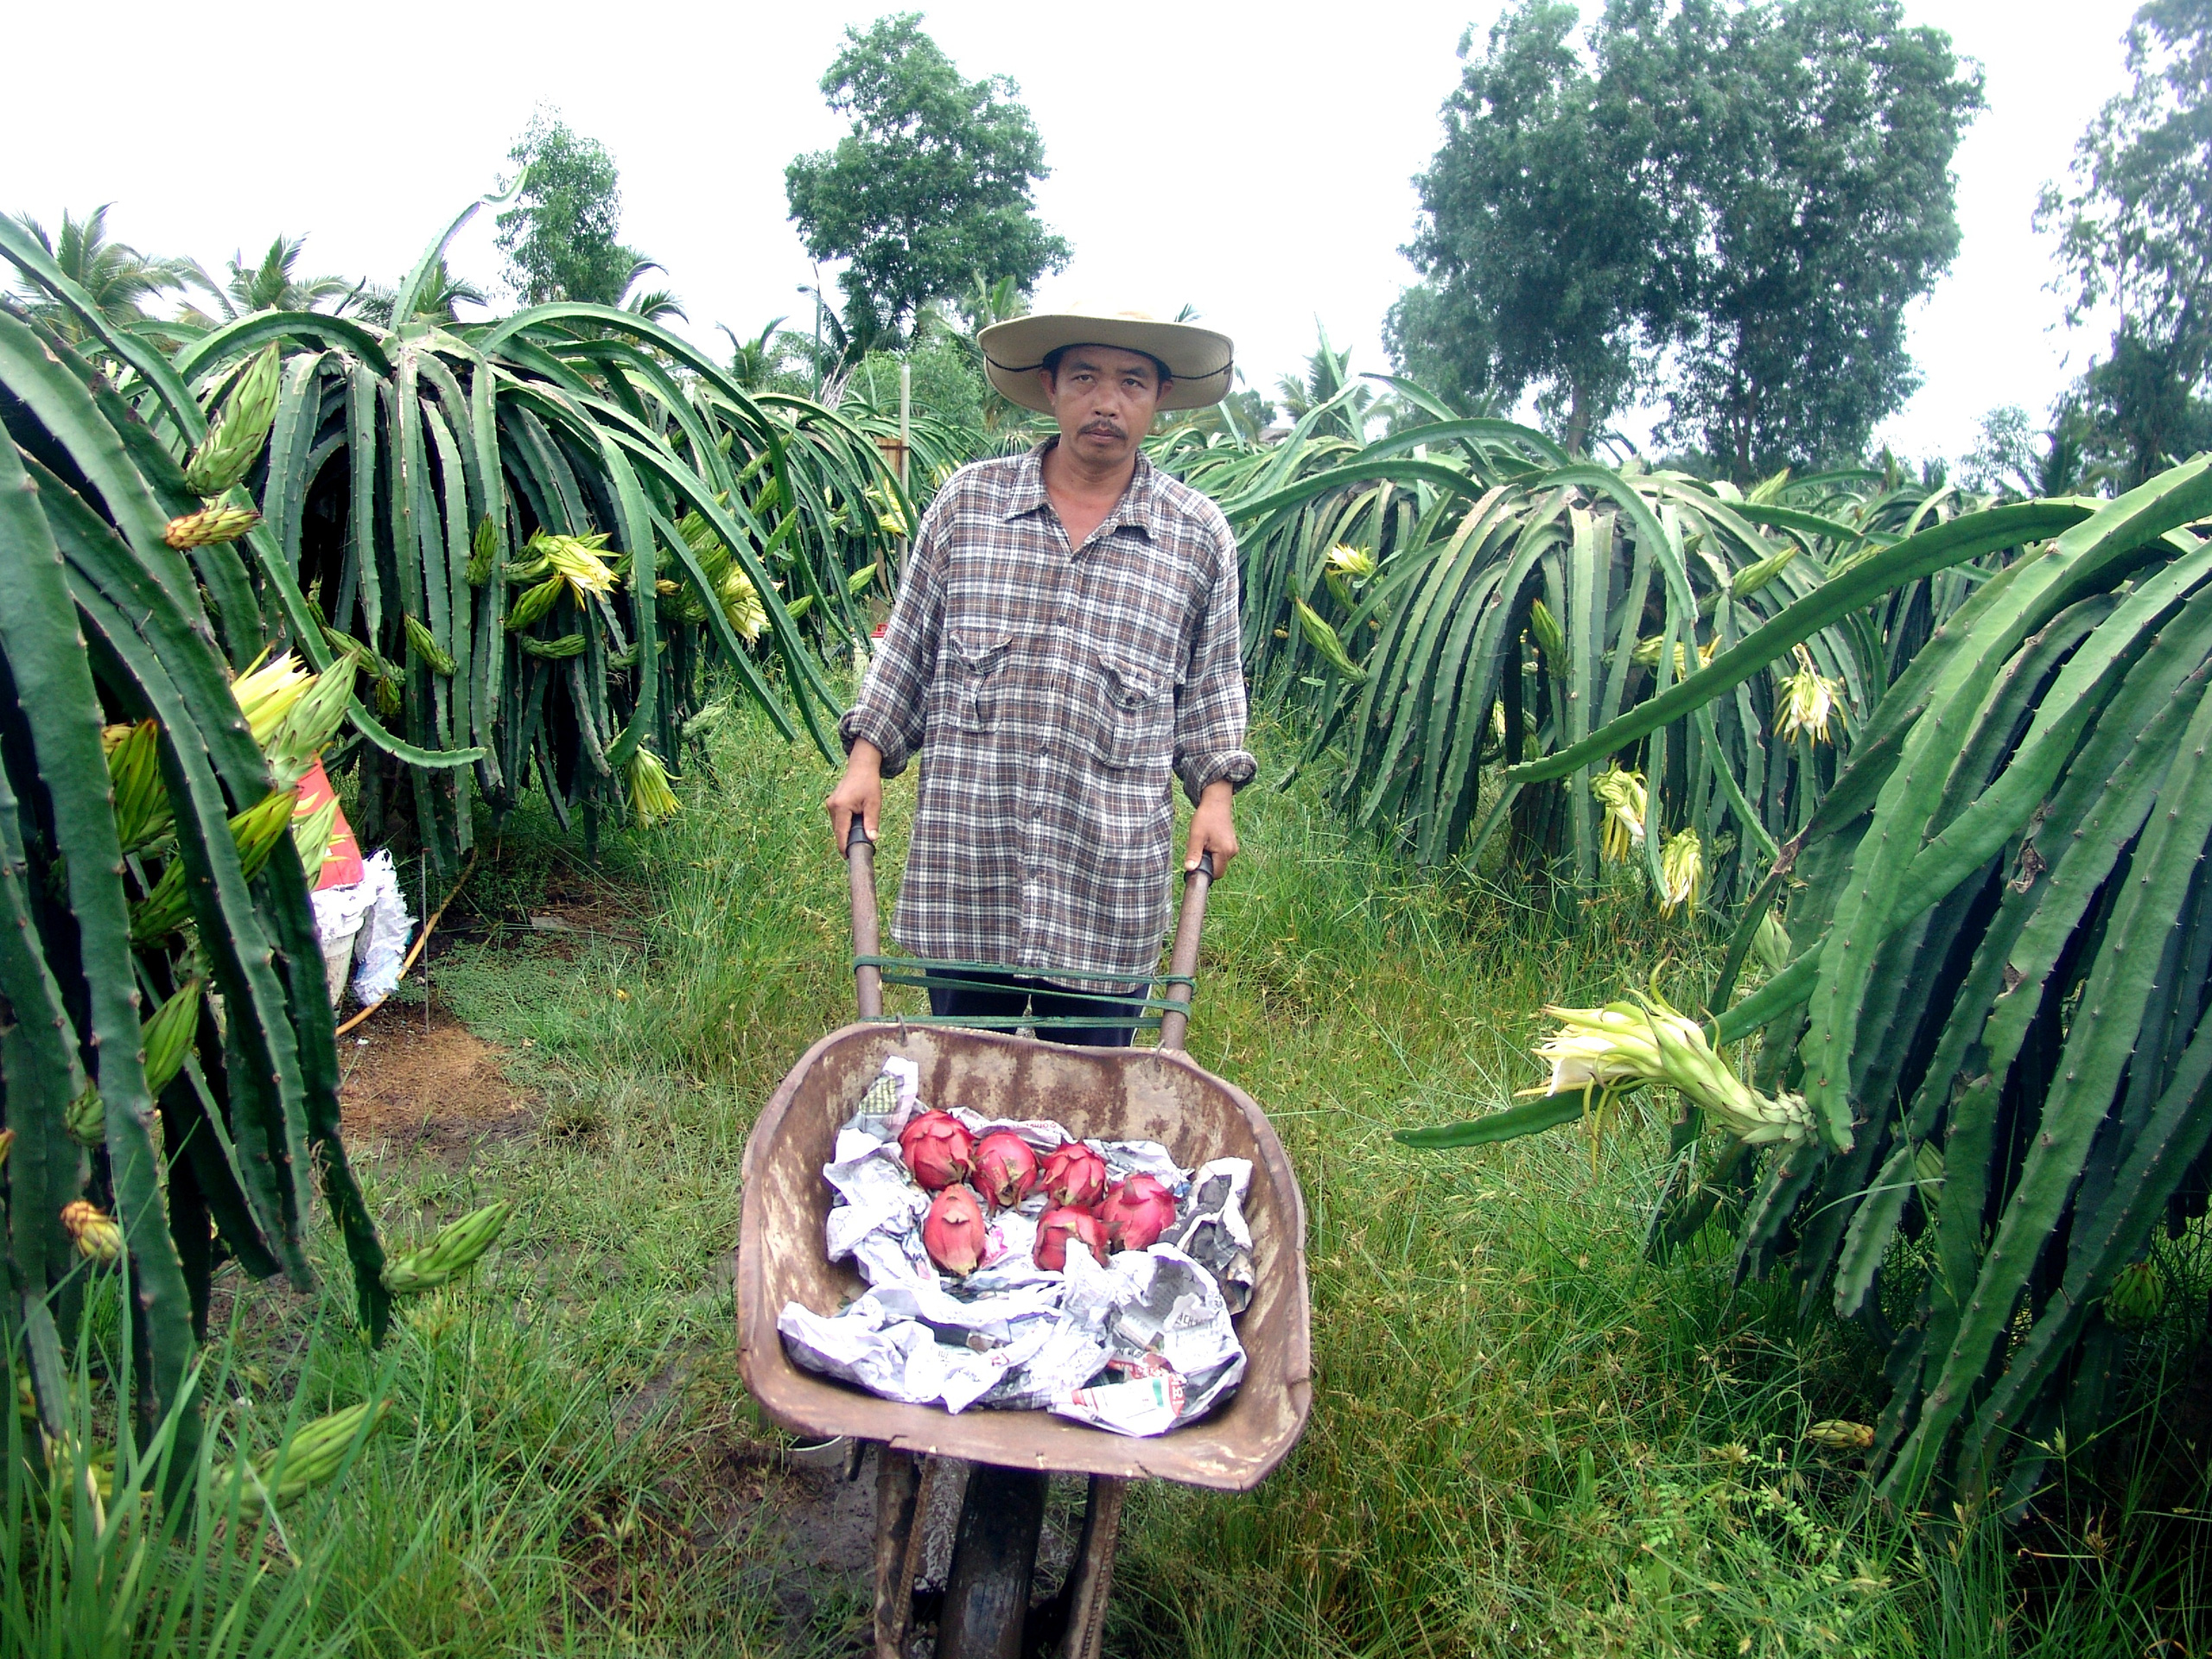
1103, 399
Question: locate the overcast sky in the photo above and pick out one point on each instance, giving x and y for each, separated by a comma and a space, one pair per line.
1253, 162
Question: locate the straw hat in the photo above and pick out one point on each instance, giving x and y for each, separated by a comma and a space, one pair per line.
1198, 360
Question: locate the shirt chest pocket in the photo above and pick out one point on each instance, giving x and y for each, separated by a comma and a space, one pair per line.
975, 676
1135, 715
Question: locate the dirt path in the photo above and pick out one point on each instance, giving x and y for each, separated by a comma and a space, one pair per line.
408, 1089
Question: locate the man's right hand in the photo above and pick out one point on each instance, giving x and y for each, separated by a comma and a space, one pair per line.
859, 793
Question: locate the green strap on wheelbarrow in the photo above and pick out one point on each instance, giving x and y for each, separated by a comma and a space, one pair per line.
931, 975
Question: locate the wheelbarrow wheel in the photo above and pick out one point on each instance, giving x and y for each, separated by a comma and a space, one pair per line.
994, 1560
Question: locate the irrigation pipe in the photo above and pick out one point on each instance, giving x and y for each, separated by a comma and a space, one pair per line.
422, 939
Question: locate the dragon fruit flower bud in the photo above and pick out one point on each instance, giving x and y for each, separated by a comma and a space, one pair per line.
1137, 1211
1005, 1169
938, 1150
98, 1235
953, 1230
1074, 1176
1057, 1229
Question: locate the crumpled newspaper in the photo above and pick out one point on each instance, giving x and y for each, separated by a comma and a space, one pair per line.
1139, 1346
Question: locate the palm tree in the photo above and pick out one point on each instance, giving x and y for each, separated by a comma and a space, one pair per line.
117, 277
439, 295
272, 285
755, 362
654, 305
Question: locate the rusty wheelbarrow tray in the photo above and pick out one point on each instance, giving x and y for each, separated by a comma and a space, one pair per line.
1157, 1094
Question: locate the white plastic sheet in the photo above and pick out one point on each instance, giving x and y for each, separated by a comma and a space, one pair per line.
1138, 1346
387, 925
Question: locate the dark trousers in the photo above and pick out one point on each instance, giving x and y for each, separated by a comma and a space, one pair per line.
1010, 996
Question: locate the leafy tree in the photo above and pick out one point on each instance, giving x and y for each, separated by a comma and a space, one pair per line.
119, 278
1737, 199
929, 191
2136, 234
561, 237
1540, 231
947, 382
1803, 150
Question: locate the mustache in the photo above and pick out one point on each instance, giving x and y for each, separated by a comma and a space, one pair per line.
1109, 429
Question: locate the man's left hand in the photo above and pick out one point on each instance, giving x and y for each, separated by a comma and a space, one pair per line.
1212, 829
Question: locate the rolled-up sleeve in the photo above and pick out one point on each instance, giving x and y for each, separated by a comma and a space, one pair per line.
893, 705
1210, 707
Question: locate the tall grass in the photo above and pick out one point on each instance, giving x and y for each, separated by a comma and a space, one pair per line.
1526, 1437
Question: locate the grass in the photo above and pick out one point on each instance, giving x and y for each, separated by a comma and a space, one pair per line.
1526, 1437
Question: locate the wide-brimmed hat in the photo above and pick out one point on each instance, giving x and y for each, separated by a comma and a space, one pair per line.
1198, 360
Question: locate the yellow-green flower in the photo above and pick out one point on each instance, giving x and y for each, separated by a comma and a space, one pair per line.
576, 560
1626, 1046
890, 519
266, 692
651, 798
1621, 793
1808, 699
742, 604
1353, 563
1646, 654
1681, 873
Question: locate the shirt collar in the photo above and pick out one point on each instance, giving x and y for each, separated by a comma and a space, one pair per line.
1138, 508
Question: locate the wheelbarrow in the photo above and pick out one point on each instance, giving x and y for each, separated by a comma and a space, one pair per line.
1157, 1094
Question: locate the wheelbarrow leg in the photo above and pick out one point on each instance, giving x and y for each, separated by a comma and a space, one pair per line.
994, 1558
902, 1495
1090, 1577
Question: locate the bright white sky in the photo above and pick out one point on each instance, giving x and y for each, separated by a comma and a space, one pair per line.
1254, 162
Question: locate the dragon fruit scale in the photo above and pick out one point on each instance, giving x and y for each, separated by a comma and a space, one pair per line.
1074, 1177
1005, 1168
938, 1150
1057, 1229
1136, 1212
952, 1232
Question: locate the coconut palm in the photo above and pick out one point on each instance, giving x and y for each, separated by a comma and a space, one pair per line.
274, 284
117, 276
653, 304
754, 364
442, 292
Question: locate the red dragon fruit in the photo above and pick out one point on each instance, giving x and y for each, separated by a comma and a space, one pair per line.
1057, 1229
1074, 1176
1137, 1211
1005, 1169
953, 1230
938, 1150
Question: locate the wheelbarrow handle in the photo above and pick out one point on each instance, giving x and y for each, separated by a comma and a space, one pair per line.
1183, 959
868, 934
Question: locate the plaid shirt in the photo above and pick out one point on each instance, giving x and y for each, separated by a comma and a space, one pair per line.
1055, 693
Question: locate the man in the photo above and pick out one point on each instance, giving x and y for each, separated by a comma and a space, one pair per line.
1066, 644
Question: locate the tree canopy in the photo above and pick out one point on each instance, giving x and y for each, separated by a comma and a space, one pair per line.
930, 188
1729, 202
1537, 232
2135, 234
119, 278
562, 236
